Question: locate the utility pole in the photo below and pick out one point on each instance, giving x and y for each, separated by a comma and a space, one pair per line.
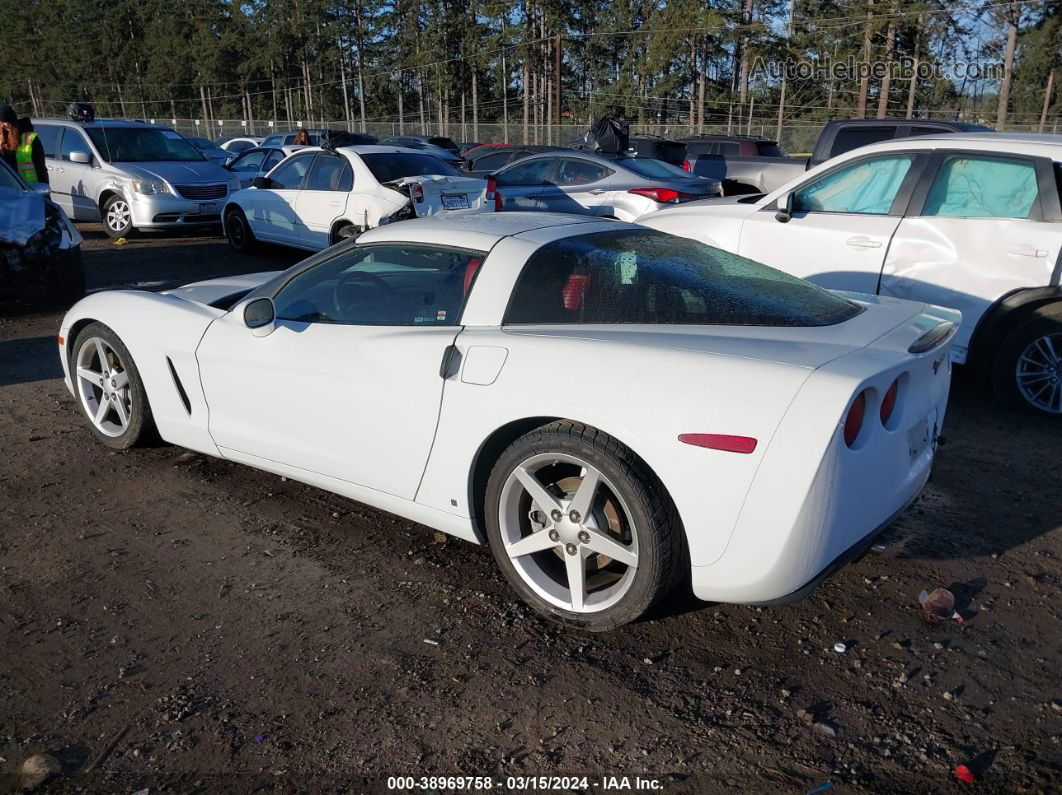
557, 81
1047, 100
886, 81
1008, 66
864, 78
781, 96
913, 87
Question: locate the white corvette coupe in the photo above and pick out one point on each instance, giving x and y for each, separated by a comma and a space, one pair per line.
610, 407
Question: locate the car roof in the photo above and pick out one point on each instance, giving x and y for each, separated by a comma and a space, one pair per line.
369, 149
99, 123
1004, 142
478, 231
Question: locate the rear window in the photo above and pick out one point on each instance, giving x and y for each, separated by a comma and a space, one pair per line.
645, 276
849, 138
653, 169
389, 166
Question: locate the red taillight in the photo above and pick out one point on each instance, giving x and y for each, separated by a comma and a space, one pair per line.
888, 403
574, 291
416, 192
853, 423
719, 441
493, 195
687, 166
663, 195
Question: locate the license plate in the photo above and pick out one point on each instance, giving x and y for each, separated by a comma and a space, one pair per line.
208, 209
918, 438
455, 202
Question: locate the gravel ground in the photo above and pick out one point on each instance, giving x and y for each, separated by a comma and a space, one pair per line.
178, 623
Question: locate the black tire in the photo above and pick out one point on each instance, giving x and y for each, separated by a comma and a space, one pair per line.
1044, 327
238, 231
345, 232
117, 205
661, 542
140, 428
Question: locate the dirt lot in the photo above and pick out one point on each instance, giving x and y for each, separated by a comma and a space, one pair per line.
182, 624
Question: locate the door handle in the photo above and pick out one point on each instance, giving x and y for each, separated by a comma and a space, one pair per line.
1025, 250
598, 191
863, 242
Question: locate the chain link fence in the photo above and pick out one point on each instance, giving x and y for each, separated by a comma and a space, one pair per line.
794, 137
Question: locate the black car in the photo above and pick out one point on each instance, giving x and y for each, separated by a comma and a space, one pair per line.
40, 250
412, 140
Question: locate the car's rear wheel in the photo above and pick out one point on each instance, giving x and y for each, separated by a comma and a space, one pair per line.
581, 528
109, 389
117, 217
345, 232
1028, 368
238, 231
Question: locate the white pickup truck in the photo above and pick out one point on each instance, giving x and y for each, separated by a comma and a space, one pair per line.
971, 221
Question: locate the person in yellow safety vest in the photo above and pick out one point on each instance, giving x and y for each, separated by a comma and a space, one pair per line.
21, 147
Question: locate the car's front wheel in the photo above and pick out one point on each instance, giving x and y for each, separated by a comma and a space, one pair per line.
581, 528
1028, 368
117, 217
108, 388
238, 231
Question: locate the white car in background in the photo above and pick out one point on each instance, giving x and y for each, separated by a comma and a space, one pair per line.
258, 161
971, 221
318, 197
241, 144
610, 407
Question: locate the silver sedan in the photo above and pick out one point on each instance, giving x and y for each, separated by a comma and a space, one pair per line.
590, 184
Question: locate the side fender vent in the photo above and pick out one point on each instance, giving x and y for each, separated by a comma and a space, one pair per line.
180, 387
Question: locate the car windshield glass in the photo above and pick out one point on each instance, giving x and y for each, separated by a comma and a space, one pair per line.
653, 169
388, 166
649, 277
203, 143
8, 180
141, 144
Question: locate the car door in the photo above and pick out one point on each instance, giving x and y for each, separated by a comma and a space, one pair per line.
520, 184
248, 165
982, 226
272, 213
50, 136
842, 222
346, 382
577, 186
76, 179
323, 199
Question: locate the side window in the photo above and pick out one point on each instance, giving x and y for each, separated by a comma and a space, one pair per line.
579, 172
531, 173
729, 148
240, 146
49, 136
289, 176
918, 130
866, 187
330, 172
383, 285
73, 141
849, 138
492, 161
272, 140
767, 149
250, 162
983, 187
273, 159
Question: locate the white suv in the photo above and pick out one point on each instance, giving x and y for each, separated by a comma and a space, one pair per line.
969, 221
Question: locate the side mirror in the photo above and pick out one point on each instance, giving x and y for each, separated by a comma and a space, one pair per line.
785, 208
262, 183
258, 315
43, 188
78, 156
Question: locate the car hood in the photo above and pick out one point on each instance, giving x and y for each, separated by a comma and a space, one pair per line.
215, 290
188, 172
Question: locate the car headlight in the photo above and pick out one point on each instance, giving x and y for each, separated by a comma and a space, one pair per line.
234, 184
150, 187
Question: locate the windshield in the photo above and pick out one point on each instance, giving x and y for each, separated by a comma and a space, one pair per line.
8, 179
649, 277
388, 166
202, 143
654, 169
141, 145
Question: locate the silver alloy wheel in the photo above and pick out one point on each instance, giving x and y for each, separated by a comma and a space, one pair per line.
1039, 373
118, 215
568, 532
103, 387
